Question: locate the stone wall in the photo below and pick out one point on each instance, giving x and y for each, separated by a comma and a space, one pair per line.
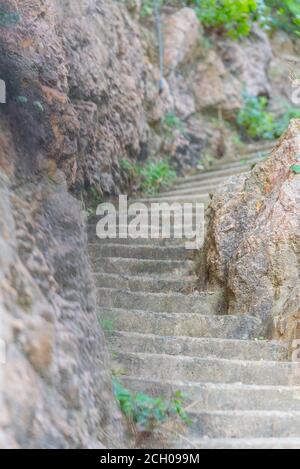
253, 241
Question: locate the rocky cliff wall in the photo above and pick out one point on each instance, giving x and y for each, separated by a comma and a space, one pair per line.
253, 240
82, 95
55, 384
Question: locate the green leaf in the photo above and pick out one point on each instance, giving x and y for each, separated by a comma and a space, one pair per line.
38, 105
22, 99
295, 168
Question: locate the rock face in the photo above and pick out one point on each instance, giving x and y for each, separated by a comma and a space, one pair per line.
181, 32
82, 95
79, 83
253, 246
55, 384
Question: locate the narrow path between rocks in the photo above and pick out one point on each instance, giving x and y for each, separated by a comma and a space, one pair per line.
167, 336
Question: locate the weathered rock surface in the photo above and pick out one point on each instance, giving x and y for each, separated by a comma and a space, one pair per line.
55, 387
82, 89
253, 242
181, 32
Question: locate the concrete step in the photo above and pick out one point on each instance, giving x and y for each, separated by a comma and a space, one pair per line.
159, 302
139, 252
245, 424
202, 199
186, 191
211, 348
120, 265
244, 443
148, 284
145, 241
220, 396
198, 184
182, 368
196, 187
224, 172
190, 325
249, 160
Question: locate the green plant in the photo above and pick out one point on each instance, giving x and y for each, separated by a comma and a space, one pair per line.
22, 99
172, 122
283, 120
8, 18
107, 325
147, 7
234, 17
156, 175
151, 177
148, 412
254, 120
132, 169
93, 199
38, 106
283, 14
295, 168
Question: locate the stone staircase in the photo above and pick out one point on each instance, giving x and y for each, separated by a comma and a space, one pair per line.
167, 336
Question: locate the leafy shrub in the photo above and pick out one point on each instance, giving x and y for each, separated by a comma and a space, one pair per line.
147, 8
156, 175
283, 14
148, 412
234, 17
254, 120
90, 202
283, 121
132, 169
151, 177
173, 122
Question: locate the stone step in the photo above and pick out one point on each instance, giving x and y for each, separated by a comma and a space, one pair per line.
220, 396
244, 443
182, 368
184, 231
224, 172
249, 350
190, 325
158, 302
200, 199
202, 184
256, 154
189, 191
139, 252
245, 424
196, 188
193, 190
146, 241
120, 265
250, 159
146, 283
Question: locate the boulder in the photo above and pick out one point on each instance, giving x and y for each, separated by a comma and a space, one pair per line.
214, 87
181, 38
253, 243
